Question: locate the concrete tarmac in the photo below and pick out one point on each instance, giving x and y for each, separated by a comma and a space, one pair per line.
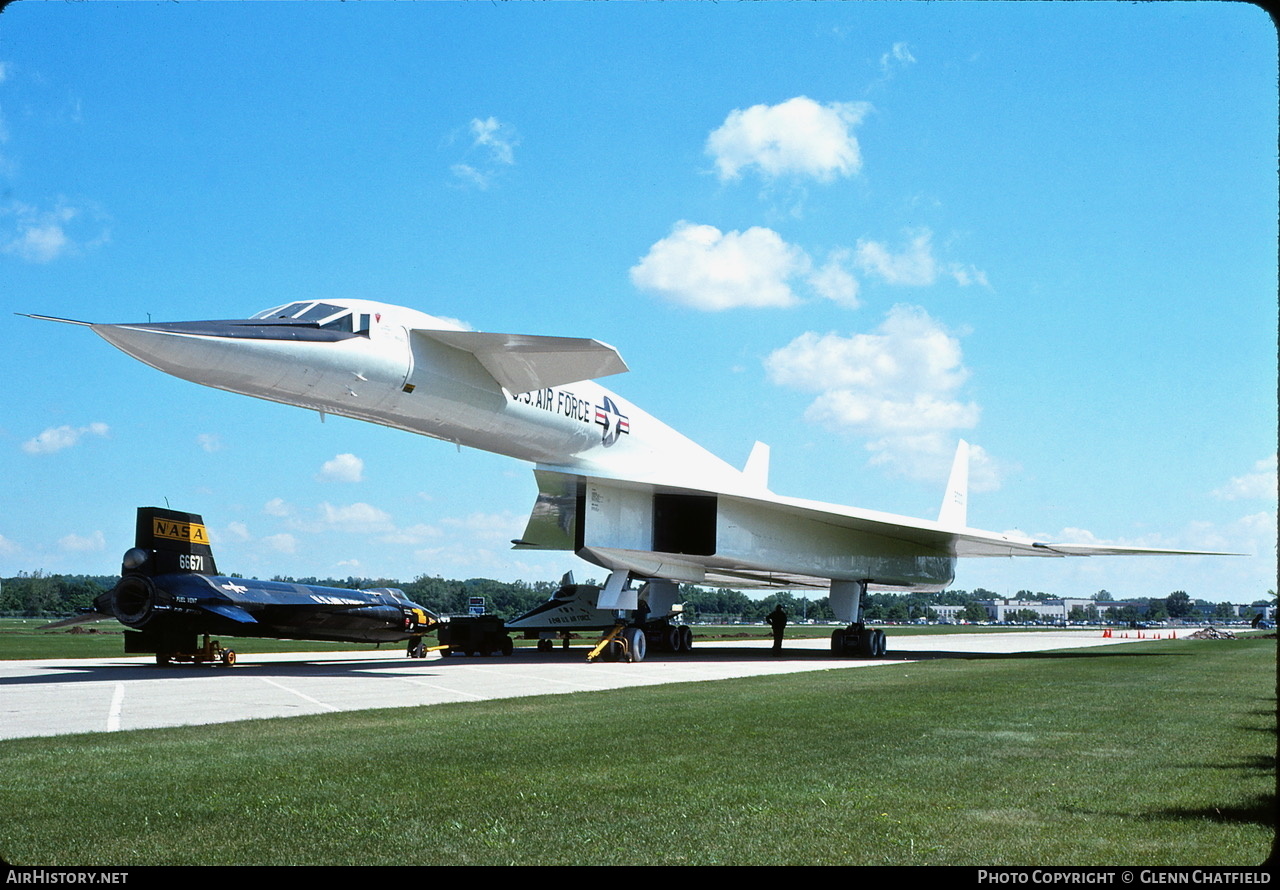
58, 697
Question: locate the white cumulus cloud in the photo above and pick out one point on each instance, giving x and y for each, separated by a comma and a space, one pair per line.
342, 468
209, 442
281, 543
59, 437
914, 265
277, 507
966, 274
1261, 483
702, 267
898, 56
499, 138
358, 517
468, 175
496, 527
494, 139
413, 536
898, 386
834, 281
41, 236
92, 542
461, 540
798, 138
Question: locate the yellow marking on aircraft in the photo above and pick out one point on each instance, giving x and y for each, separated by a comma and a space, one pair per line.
192, 532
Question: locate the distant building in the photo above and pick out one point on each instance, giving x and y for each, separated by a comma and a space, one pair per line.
1059, 610
948, 614
1005, 609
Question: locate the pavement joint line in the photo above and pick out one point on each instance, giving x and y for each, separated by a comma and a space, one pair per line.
302, 695
425, 685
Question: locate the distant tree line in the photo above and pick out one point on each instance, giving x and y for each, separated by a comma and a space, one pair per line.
40, 595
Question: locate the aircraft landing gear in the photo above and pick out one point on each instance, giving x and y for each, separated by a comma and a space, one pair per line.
636, 642
623, 643
210, 652
857, 641
686, 639
417, 648
667, 637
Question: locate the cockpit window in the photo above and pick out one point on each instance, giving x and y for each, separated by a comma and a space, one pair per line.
319, 311
288, 311
326, 316
341, 323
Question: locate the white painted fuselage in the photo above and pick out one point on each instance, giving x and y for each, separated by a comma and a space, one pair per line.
616, 486
399, 376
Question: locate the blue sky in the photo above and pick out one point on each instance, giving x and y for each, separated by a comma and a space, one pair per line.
857, 232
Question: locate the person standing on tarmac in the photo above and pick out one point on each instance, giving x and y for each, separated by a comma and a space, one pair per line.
778, 621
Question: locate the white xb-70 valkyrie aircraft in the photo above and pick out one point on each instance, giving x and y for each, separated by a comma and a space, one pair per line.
616, 486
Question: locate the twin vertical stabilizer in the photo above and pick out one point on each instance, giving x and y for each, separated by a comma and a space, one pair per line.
756, 471
955, 503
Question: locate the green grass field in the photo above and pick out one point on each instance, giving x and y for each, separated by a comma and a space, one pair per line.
1159, 753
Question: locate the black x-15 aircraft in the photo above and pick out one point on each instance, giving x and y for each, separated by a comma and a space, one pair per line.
170, 593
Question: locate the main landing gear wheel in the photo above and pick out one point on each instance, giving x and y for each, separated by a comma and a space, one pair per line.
671, 638
686, 638
228, 657
867, 644
636, 642
858, 642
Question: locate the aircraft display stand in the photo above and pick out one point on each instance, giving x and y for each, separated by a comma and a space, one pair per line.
474, 635
212, 651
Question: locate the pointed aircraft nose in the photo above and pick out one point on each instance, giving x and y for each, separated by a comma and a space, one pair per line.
224, 354
183, 353
279, 359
